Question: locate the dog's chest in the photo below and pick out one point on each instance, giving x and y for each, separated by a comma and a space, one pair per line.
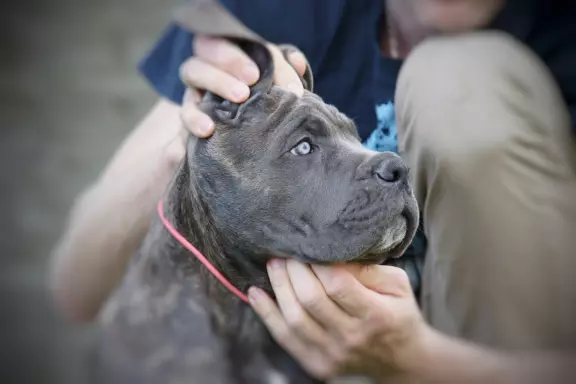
260, 371
169, 333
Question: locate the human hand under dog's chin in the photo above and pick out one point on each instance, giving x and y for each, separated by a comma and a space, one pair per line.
222, 68
345, 319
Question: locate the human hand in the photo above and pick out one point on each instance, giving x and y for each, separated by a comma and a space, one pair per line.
224, 69
343, 319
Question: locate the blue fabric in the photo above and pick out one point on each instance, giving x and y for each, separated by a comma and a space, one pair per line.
352, 75
339, 38
384, 137
161, 66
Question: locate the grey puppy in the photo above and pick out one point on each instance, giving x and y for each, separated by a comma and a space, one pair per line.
282, 176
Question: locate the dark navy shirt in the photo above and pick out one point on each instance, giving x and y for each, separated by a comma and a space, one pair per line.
338, 37
341, 41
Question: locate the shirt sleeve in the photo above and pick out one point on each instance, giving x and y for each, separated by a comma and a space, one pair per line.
161, 66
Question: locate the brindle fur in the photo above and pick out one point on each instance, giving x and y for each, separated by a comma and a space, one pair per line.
172, 322
240, 198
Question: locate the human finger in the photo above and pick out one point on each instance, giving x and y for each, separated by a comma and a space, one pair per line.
344, 289
294, 314
285, 75
384, 279
295, 57
310, 359
227, 57
199, 74
310, 293
196, 121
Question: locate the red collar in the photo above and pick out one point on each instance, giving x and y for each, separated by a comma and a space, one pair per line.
186, 244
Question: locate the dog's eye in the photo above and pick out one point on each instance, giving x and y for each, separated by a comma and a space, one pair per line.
302, 148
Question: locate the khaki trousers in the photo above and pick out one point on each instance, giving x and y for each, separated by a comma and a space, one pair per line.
487, 136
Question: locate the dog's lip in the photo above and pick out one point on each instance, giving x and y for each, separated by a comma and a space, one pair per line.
375, 256
411, 215
310, 260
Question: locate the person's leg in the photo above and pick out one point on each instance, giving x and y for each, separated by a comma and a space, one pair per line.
487, 136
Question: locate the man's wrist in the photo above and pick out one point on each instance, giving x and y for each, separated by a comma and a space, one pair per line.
417, 357
436, 357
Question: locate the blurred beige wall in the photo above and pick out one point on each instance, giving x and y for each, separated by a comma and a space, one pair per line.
69, 92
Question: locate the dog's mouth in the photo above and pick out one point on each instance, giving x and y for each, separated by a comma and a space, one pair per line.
391, 245
380, 244
395, 240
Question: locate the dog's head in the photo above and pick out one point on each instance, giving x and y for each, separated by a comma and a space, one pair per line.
287, 176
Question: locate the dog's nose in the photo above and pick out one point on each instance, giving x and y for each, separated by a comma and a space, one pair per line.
392, 170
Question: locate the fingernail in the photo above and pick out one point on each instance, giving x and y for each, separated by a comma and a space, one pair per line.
275, 263
250, 74
240, 92
298, 60
205, 125
254, 294
295, 55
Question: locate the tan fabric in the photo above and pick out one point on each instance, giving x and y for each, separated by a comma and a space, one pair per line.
486, 134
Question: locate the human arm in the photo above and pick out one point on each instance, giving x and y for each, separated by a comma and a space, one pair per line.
109, 220
364, 320
449, 360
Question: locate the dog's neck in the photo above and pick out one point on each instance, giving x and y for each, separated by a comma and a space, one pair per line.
234, 320
189, 213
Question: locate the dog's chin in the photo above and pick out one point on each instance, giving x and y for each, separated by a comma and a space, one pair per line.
391, 245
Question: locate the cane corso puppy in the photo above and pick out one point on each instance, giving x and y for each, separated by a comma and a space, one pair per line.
282, 176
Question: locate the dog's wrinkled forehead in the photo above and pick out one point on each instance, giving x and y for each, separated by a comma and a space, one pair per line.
310, 112
278, 113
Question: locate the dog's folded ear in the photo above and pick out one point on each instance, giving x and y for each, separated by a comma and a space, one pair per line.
210, 18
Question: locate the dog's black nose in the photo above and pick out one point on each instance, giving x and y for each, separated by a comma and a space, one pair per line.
392, 170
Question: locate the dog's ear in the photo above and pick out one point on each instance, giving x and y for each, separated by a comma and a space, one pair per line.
209, 17
226, 110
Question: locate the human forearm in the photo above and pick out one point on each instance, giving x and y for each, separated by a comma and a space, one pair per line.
384, 335
91, 255
105, 228
447, 360
110, 219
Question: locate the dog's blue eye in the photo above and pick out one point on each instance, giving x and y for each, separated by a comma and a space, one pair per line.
303, 148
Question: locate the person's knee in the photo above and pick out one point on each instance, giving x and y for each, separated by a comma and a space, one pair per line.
471, 96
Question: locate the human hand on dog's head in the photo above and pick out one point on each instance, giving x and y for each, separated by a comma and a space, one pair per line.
360, 319
222, 68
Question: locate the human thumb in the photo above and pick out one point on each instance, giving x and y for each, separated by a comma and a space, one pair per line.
383, 279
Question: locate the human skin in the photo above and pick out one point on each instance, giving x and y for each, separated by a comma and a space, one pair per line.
352, 319
453, 16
